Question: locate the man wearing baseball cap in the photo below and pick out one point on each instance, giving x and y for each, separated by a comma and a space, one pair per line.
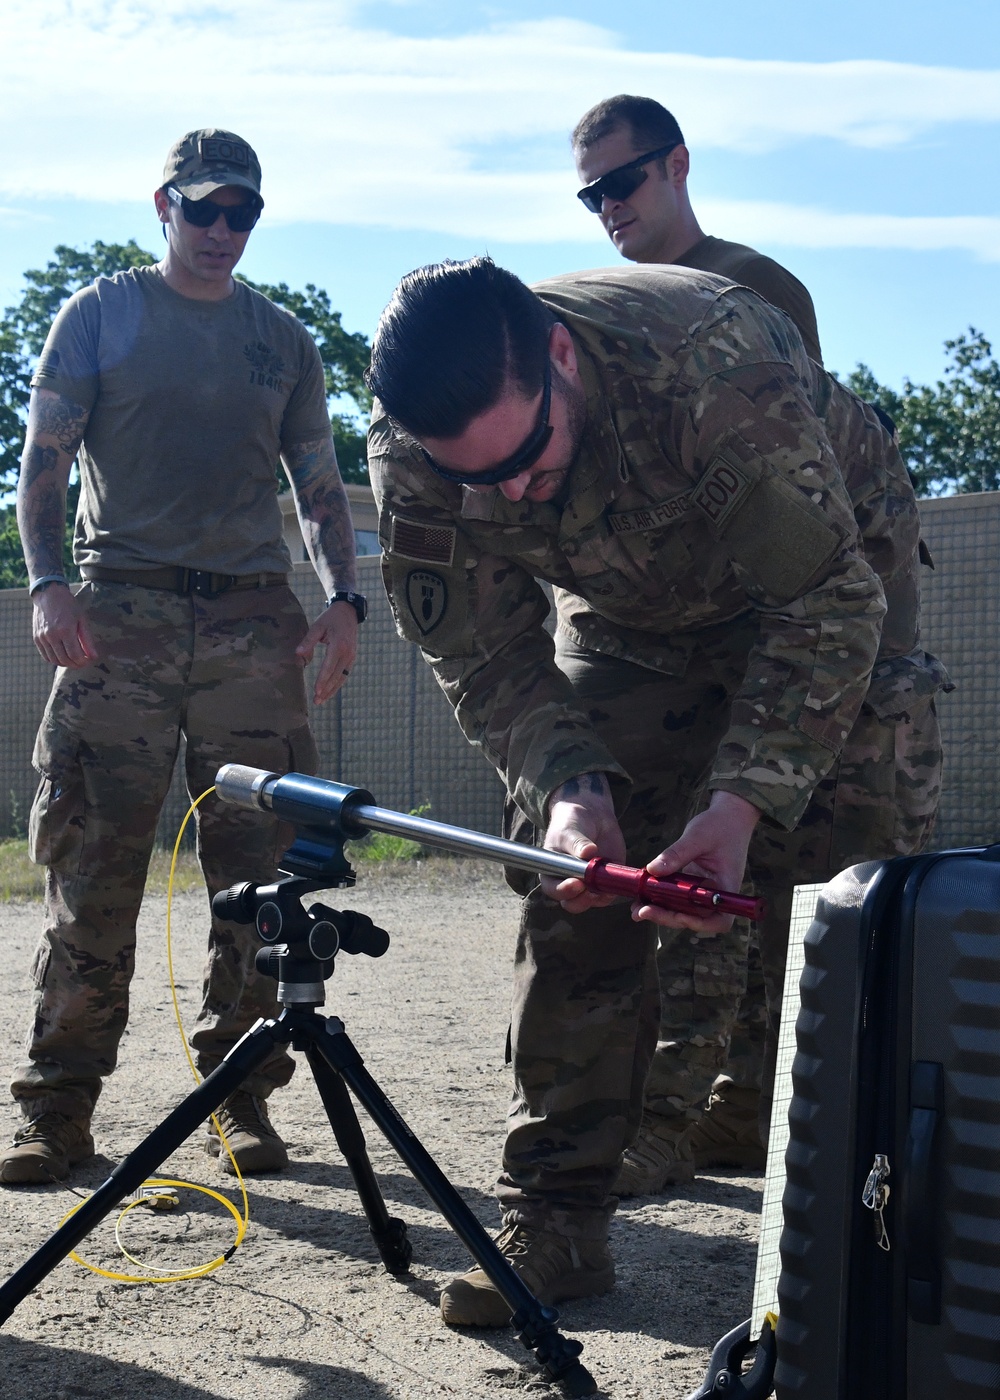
177, 390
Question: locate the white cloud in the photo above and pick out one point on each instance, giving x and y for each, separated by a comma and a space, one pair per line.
794, 226
359, 126
19, 217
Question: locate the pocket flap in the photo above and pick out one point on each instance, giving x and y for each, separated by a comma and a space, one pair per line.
899, 680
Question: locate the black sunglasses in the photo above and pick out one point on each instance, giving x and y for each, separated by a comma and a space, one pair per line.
240, 218
622, 181
525, 456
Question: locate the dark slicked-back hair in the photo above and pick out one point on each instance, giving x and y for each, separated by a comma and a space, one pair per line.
453, 338
652, 126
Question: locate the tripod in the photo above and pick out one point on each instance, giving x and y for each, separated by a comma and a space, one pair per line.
300, 951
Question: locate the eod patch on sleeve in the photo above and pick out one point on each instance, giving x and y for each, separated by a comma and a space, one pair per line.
426, 598
721, 489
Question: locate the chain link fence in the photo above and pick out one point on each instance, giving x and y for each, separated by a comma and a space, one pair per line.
393, 732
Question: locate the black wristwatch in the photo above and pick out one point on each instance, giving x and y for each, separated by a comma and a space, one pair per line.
358, 602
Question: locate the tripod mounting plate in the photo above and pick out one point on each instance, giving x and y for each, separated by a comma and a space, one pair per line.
318, 855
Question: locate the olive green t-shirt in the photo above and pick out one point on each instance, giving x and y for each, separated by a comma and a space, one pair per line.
761, 274
191, 404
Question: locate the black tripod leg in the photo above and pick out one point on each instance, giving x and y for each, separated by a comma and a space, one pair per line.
535, 1324
388, 1232
244, 1057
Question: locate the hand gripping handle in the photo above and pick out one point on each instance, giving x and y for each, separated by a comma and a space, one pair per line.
681, 893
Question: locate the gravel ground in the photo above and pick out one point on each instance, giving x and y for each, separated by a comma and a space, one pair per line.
305, 1311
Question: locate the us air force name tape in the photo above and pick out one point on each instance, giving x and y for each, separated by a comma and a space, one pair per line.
718, 492
627, 522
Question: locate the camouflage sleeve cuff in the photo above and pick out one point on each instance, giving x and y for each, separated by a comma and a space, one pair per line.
783, 802
532, 795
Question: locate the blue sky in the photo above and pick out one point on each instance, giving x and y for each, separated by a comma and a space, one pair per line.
858, 146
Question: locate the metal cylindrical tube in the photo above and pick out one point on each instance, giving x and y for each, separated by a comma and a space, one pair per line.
351, 811
471, 843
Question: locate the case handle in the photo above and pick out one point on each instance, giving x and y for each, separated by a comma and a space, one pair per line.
922, 1184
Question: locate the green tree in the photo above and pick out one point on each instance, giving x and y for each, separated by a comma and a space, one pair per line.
949, 432
22, 334
23, 329
345, 357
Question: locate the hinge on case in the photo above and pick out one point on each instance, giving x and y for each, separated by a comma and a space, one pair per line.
875, 1197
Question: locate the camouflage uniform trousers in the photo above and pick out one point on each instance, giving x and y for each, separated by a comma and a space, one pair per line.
585, 1006
879, 801
222, 671
586, 1024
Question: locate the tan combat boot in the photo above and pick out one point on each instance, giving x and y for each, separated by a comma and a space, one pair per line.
251, 1136
555, 1267
45, 1147
661, 1157
728, 1134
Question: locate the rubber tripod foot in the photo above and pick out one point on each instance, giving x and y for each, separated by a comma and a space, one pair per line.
394, 1247
577, 1380
555, 1354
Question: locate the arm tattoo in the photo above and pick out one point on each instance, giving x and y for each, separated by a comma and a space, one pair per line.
59, 418
41, 518
323, 511
55, 431
595, 783
37, 462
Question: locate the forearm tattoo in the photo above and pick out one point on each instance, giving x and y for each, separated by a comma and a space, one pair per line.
55, 417
41, 519
55, 431
323, 510
595, 784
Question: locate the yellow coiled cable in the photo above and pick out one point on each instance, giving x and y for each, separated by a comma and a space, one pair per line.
159, 1187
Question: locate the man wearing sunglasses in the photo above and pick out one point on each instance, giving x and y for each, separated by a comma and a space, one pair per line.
631, 156
657, 446
180, 389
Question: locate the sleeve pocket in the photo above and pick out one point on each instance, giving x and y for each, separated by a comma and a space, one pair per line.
898, 682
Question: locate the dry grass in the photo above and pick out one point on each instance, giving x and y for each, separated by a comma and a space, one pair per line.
20, 878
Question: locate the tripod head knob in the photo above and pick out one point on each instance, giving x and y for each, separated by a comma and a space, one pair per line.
324, 940
270, 921
356, 932
237, 905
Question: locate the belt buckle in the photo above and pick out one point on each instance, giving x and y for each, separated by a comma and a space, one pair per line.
199, 581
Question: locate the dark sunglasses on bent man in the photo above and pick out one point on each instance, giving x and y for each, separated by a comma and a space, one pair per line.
526, 455
622, 181
203, 213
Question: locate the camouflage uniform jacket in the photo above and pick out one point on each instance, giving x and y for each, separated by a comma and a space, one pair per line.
719, 480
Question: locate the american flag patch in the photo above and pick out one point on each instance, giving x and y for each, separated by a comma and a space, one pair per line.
413, 539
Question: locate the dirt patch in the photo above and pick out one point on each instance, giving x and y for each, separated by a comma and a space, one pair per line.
305, 1310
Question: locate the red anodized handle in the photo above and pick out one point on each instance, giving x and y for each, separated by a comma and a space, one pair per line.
681, 893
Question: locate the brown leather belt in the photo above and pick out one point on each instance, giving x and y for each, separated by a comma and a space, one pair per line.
185, 581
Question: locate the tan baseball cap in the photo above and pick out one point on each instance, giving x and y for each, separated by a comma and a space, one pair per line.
209, 159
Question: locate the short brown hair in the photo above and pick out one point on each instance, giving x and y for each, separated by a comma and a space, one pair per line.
452, 339
651, 125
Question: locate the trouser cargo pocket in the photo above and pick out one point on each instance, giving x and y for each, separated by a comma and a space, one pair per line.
58, 813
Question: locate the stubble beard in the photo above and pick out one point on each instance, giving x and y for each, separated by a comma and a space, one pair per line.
575, 401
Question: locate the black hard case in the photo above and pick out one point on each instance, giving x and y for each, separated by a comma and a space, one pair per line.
897, 1052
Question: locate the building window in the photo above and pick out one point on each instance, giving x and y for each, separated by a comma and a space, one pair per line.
366, 542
